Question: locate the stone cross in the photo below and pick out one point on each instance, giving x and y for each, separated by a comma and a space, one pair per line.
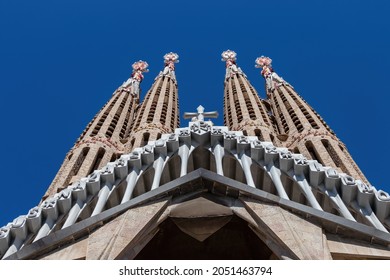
201, 114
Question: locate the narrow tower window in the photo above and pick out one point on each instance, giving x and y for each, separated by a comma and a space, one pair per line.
334, 156
145, 139
124, 134
312, 151
104, 116
117, 116
114, 157
77, 165
281, 116
259, 134
303, 110
236, 101
97, 160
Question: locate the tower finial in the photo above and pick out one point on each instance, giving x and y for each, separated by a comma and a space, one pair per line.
136, 77
272, 79
169, 60
263, 61
231, 67
229, 56
140, 66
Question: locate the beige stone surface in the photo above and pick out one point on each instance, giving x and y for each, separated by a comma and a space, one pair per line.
346, 248
302, 125
108, 130
158, 113
306, 240
243, 109
122, 125
76, 251
121, 233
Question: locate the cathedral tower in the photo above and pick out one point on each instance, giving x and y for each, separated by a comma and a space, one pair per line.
300, 127
105, 137
159, 112
243, 109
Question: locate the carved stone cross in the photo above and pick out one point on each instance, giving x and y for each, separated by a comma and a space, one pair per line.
201, 114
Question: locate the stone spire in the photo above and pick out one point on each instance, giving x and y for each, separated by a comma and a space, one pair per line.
104, 138
159, 112
243, 109
300, 128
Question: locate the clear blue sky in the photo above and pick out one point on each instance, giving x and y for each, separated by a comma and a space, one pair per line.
60, 61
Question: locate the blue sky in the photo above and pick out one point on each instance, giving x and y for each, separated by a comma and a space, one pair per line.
60, 61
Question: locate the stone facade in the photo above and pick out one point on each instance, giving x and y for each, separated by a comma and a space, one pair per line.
274, 183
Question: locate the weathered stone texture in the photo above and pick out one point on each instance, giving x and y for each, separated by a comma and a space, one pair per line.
306, 240
285, 119
120, 235
346, 248
243, 110
159, 113
305, 132
101, 142
76, 251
